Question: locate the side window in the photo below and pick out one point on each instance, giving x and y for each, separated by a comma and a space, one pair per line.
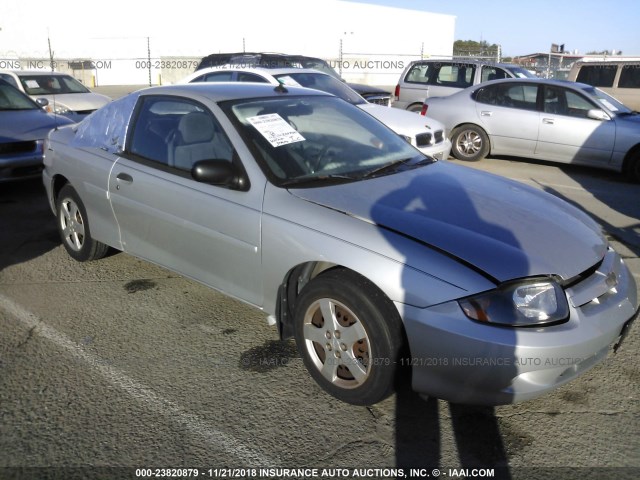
565, 102
509, 95
455, 75
597, 75
419, 73
250, 77
630, 76
492, 73
577, 105
224, 76
9, 79
177, 133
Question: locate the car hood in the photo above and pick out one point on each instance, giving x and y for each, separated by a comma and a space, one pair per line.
368, 89
77, 101
27, 125
401, 121
504, 228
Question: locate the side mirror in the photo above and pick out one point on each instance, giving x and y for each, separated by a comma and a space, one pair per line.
43, 102
597, 114
217, 172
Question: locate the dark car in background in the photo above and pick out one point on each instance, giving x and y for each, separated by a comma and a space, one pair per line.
23, 127
283, 60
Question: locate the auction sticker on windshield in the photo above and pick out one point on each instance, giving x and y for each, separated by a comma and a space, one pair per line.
275, 129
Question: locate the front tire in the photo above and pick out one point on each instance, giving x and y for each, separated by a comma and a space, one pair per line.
74, 228
632, 167
470, 143
350, 337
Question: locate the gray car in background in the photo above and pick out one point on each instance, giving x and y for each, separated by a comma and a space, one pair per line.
376, 258
553, 120
438, 78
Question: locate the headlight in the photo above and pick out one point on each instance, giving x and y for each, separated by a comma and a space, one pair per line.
60, 109
519, 304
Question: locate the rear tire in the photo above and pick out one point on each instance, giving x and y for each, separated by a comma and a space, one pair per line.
350, 337
469, 142
73, 227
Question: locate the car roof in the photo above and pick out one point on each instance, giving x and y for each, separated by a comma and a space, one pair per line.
463, 61
545, 81
261, 70
35, 73
222, 91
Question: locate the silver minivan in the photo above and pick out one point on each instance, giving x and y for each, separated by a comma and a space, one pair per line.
439, 78
619, 78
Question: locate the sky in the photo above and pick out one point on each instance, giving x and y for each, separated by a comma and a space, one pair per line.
524, 27
520, 27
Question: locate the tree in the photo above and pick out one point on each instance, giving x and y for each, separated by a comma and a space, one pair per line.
604, 52
471, 48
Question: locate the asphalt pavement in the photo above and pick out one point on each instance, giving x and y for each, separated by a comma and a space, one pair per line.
116, 365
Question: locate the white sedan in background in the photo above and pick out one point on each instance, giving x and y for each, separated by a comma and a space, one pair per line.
426, 134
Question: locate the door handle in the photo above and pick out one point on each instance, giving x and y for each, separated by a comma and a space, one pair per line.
485, 113
125, 177
548, 121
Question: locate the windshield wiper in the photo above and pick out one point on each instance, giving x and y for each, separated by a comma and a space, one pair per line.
395, 164
331, 178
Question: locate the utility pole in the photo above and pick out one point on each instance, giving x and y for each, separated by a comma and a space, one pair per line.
51, 62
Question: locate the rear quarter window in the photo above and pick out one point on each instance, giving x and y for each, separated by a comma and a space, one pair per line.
630, 77
597, 75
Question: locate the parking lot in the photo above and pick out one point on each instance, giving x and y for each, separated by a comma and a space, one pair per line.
119, 363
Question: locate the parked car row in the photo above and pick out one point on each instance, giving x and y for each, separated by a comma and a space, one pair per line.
325, 212
375, 257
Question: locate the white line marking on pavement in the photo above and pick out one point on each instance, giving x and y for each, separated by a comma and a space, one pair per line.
144, 395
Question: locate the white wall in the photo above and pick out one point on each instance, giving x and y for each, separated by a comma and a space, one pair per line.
115, 33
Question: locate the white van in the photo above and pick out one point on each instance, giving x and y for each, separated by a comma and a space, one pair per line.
439, 78
619, 78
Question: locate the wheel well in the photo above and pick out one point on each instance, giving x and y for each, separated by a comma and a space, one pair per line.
58, 182
470, 125
634, 152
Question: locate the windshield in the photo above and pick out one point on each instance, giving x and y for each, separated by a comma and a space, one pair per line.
300, 140
607, 101
521, 72
51, 84
12, 99
324, 83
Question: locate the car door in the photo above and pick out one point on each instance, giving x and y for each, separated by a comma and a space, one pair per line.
209, 233
507, 111
567, 134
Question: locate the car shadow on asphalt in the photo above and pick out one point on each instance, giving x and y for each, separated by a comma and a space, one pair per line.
420, 435
28, 226
441, 211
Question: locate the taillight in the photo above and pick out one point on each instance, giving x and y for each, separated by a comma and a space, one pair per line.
396, 92
423, 112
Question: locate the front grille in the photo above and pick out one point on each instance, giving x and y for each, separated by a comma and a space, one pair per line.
85, 112
377, 99
439, 136
594, 286
423, 139
17, 147
20, 172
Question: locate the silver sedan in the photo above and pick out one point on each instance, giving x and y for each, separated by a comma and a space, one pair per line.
550, 120
377, 259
